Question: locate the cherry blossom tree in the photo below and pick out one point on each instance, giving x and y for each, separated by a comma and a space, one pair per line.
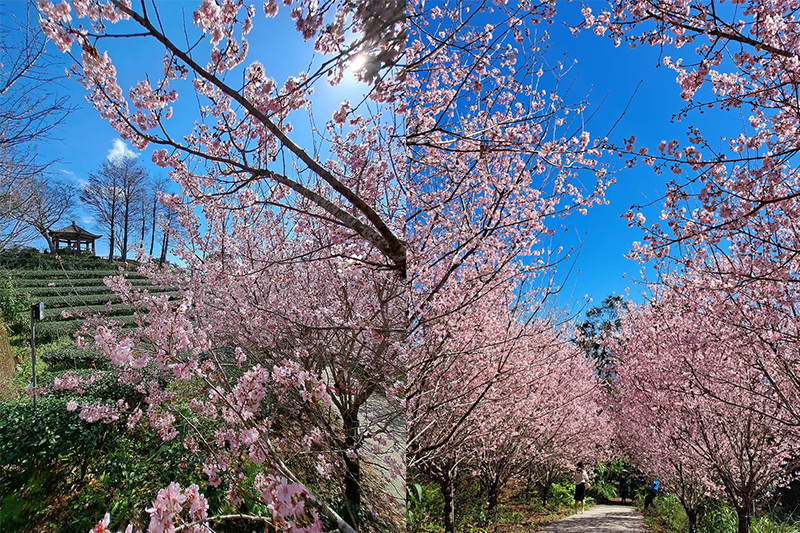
282, 340
495, 159
730, 214
242, 135
687, 376
554, 417
648, 441
731, 59
525, 394
290, 315
492, 155
495, 156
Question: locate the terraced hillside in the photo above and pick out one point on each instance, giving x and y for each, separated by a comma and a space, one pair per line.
70, 289
68, 295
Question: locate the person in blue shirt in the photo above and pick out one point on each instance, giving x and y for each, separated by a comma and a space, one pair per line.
652, 493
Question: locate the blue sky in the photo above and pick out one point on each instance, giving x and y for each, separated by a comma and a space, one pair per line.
613, 77
86, 140
606, 74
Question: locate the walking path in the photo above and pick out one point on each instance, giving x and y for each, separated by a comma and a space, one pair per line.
601, 519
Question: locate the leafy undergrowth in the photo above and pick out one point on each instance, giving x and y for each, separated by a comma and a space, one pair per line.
518, 516
665, 516
519, 509
668, 516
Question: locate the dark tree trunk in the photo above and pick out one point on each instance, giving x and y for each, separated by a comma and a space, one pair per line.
744, 519
153, 228
352, 476
545, 492
111, 244
144, 228
112, 227
448, 491
692, 515
125, 227
164, 245
493, 495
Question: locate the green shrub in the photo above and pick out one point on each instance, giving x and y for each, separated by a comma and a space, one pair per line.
561, 494
769, 524
424, 504
717, 517
670, 513
603, 491
13, 302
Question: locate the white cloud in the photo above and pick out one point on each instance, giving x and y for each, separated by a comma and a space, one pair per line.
120, 151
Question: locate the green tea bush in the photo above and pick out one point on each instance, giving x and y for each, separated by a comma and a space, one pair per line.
73, 358
43, 292
67, 300
56, 331
61, 283
39, 274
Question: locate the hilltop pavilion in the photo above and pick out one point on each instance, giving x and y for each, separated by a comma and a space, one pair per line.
74, 239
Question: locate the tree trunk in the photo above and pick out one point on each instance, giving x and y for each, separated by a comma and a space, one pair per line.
144, 228
744, 519
692, 515
448, 491
50, 243
493, 495
125, 227
112, 224
545, 493
164, 244
153, 228
352, 476
111, 244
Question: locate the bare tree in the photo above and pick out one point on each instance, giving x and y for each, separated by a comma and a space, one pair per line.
101, 199
30, 111
13, 200
48, 202
159, 185
132, 182
111, 194
169, 225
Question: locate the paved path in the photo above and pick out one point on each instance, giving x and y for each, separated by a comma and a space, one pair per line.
601, 519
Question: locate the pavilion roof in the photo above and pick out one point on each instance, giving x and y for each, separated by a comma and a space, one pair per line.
72, 231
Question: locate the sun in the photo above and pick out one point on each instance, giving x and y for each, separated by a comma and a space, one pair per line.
358, 63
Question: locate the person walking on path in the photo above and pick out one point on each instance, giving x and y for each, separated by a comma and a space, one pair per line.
623, 487
581, 480
652, 493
